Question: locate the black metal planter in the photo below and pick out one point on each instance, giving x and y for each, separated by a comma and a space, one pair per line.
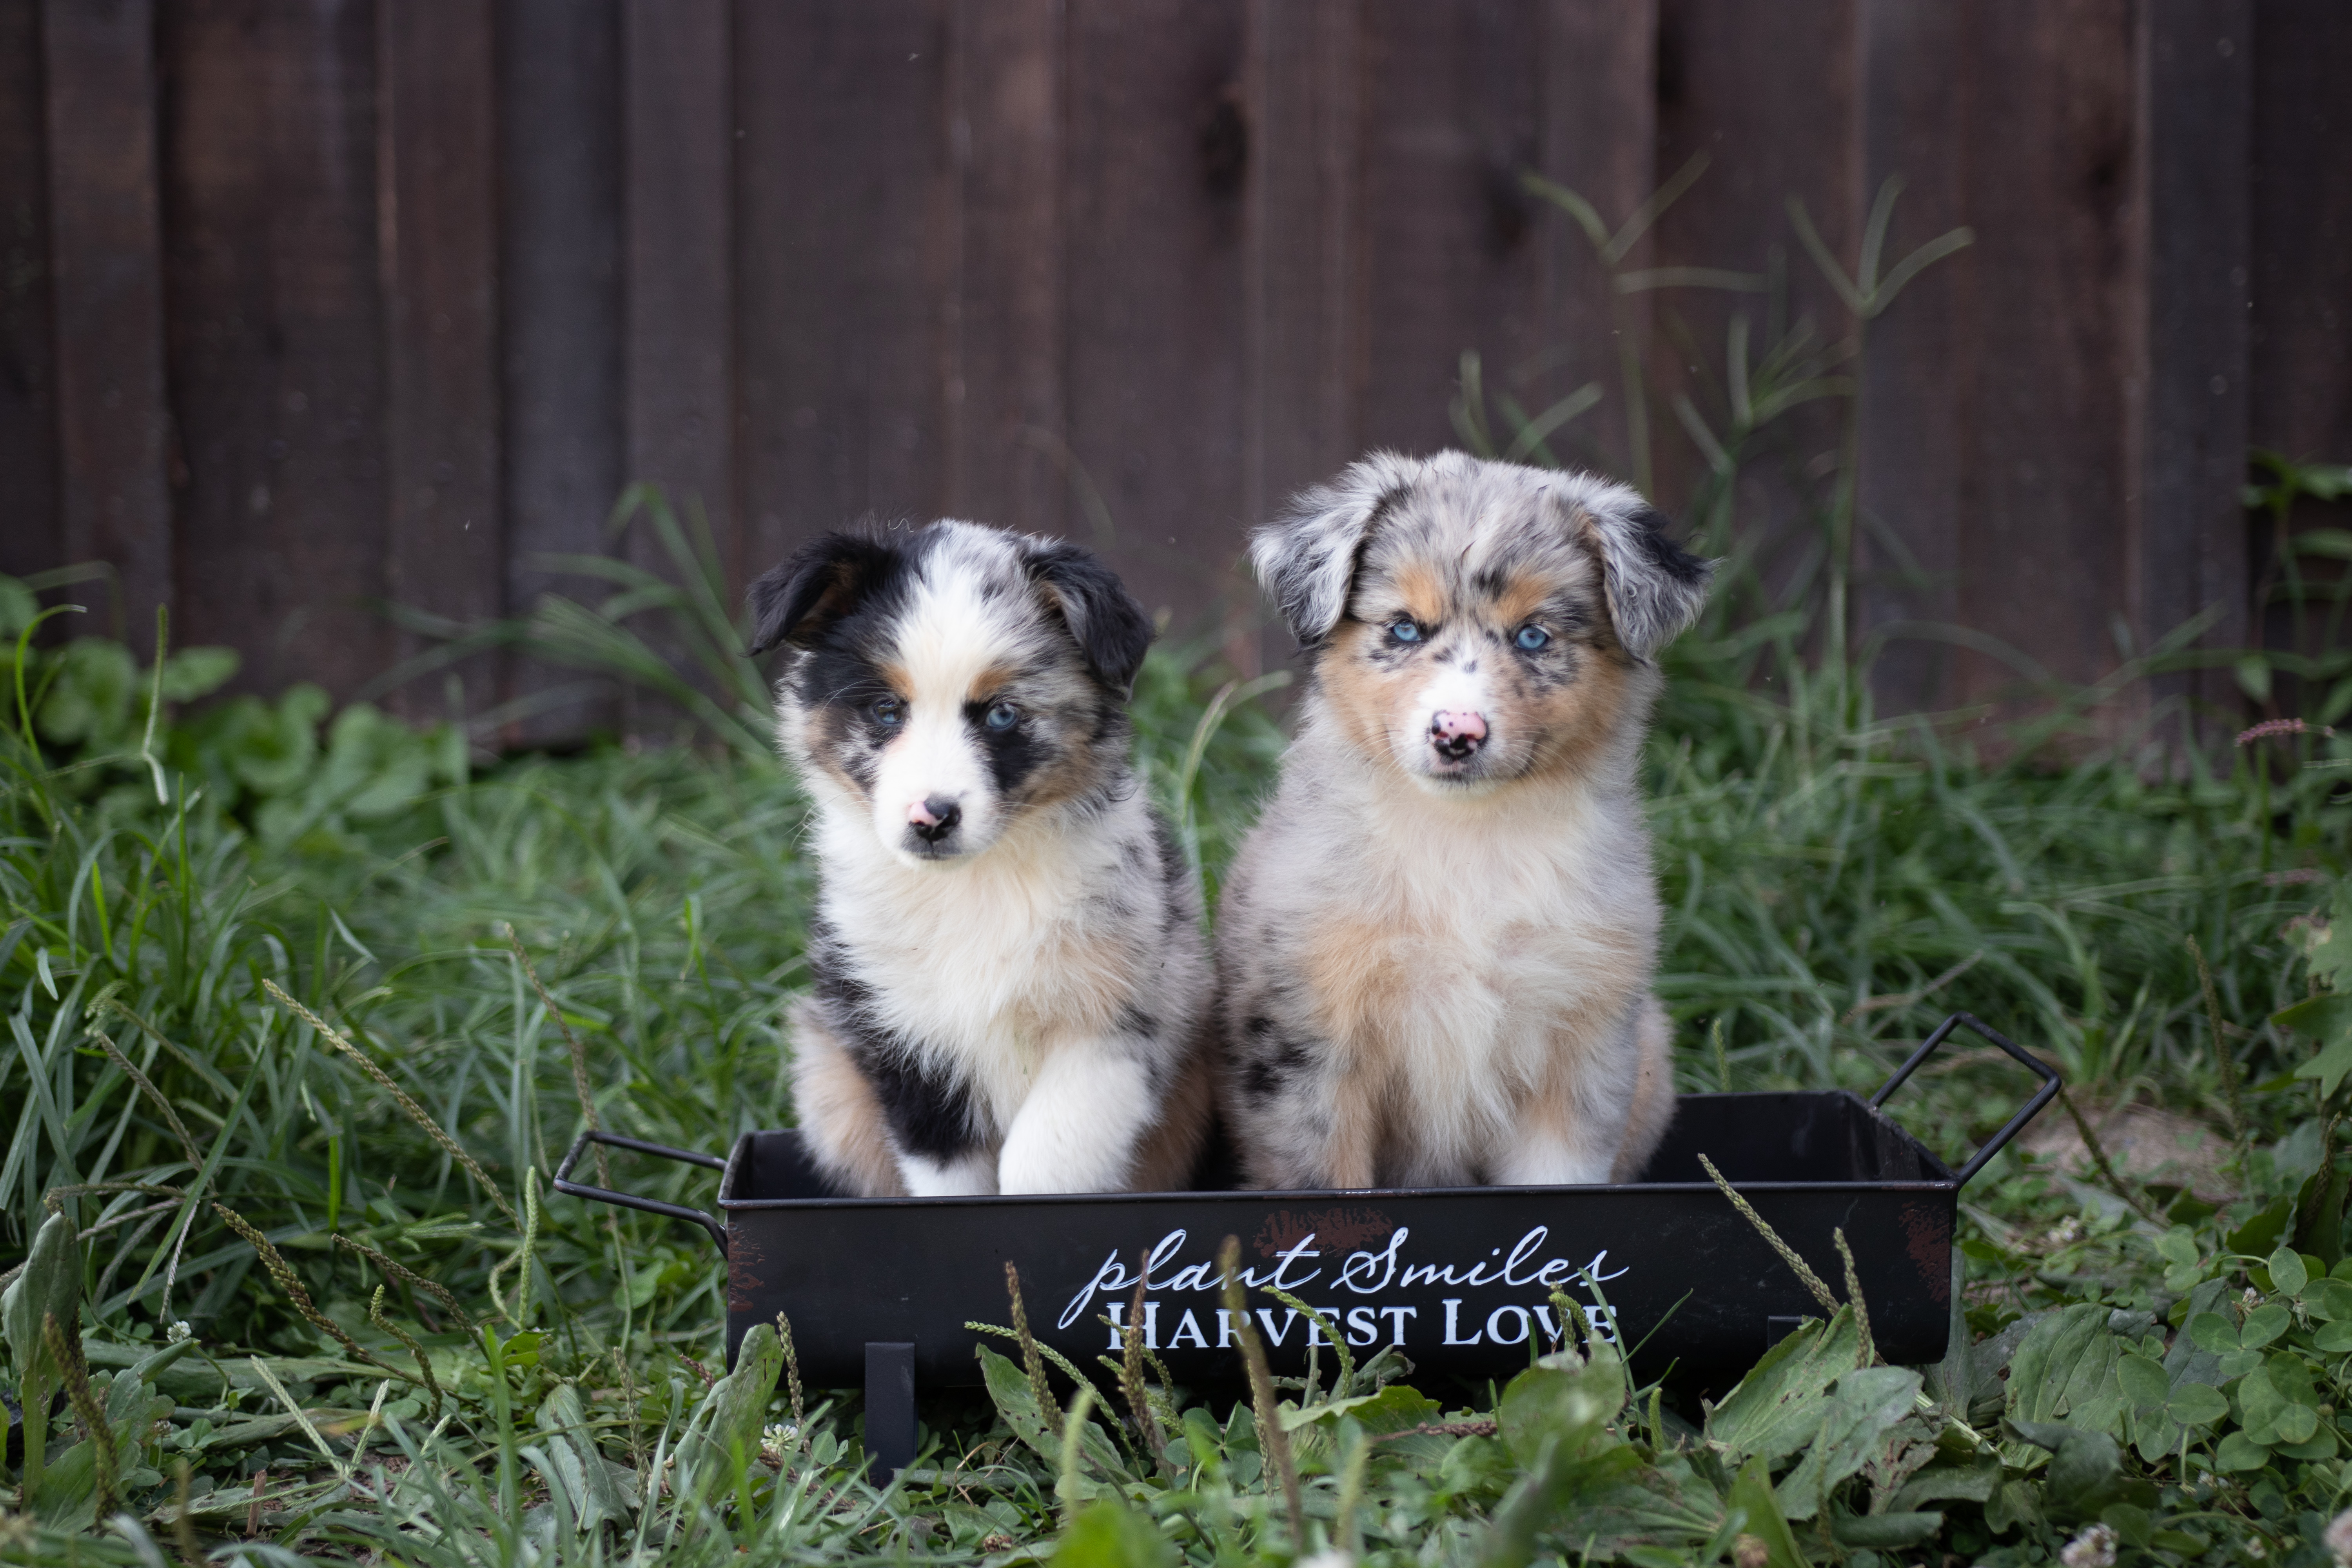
878, 1290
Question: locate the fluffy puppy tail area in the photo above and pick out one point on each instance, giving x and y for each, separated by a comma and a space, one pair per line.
1652, 1108
1166, 1160
840, 1117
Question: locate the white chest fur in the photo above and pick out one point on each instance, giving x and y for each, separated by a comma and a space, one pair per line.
1458, 944
982, 966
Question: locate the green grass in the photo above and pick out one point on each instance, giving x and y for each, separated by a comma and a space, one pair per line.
1836, 883
1820, 875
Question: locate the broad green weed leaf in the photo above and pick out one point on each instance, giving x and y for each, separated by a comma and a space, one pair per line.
1864, 1405
2212, 1332
1779, 1405
2288, 1275
1109, 1534
733, 1413
51, 1286
1751, 1493
2236, 1451
1885, 1531
194, 672
1971, 1480
2197, 1404
2262, 1232
565, 1419
1008, 1387
2065, 1371
1559, 1403
2143, 1380
2264, 1324
2329, 1301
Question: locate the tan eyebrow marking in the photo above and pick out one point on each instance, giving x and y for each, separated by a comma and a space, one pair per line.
994, 679
1422, 591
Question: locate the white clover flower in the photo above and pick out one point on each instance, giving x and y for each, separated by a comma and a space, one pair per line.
2094, 1548
780, 1437
2251, 1298
178, 1332
2339, 1539
2066, 1232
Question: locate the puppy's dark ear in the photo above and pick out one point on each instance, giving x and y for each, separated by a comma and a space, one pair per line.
821, 582
1306, 558
1110, 628
1656, 589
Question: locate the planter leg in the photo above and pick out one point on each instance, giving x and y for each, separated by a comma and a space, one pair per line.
890, 1409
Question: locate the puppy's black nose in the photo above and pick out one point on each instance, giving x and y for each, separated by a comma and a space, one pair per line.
935, 819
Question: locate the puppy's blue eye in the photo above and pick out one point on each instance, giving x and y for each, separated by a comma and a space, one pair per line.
1404, 631
1004, 716
1532, 637
888, 711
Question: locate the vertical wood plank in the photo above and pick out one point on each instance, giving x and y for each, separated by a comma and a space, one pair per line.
2050, 190
1770, 96
1002, 419
2300, 380
277, 341
1920, 367
558, 138
844, 264
2189, 552
1158, 171
1598, 138
1455, 246
438, 232
1304, 274
680, 404
105, 250
28, 431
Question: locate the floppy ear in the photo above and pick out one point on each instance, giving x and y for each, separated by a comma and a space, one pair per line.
821, 582
1110, 628
1655, 588
1307, 557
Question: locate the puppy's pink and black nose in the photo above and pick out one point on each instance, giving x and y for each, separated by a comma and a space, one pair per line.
1456, 734
934, 818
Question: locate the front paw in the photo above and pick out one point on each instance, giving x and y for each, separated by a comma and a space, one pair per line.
1032, 1168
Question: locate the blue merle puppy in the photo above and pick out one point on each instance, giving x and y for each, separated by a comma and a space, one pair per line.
1011, 993
1437, 944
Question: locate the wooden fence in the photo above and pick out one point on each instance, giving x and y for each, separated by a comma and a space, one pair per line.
308, 306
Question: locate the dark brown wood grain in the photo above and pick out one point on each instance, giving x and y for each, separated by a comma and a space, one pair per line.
2189, 551
1001, 255
558, 138
1158, 221
2051, 188
438, 239
2300, 377
1598, 137
678, 410
304, 310
28, 434
1304, 269
112, 421
1769, 97
679, 161
1919, 370
844, 238
275, 308
1454, 249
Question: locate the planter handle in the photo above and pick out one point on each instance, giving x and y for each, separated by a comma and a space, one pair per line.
2049, 1075
565, 1184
